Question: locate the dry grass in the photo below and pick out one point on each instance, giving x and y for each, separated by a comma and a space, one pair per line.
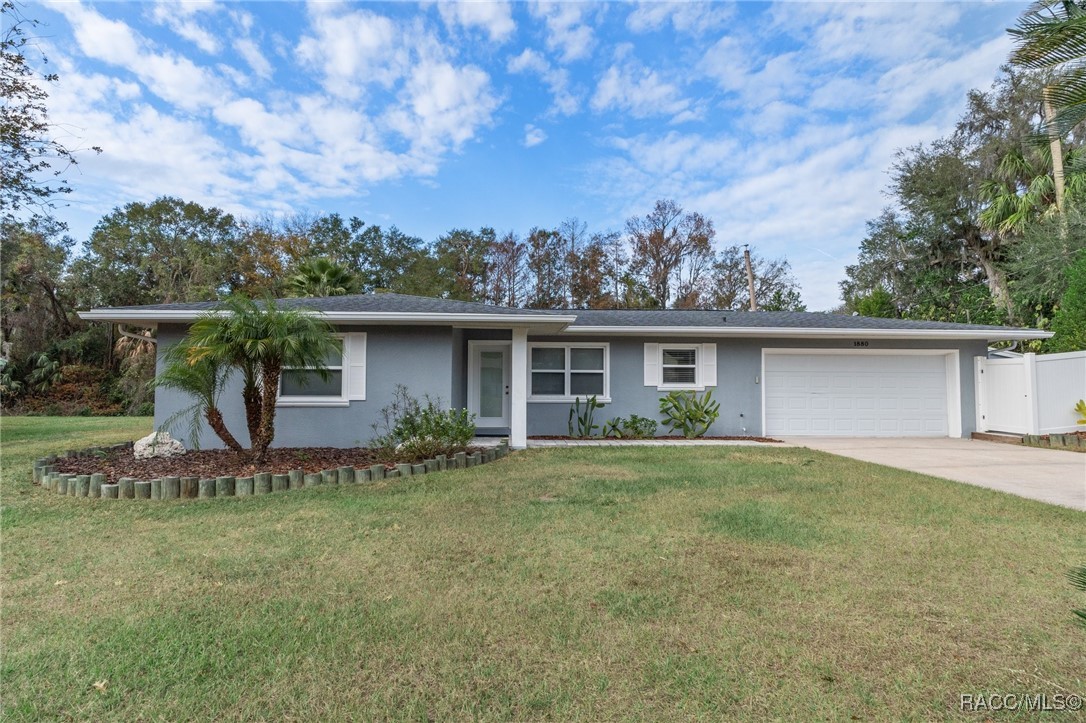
644, 583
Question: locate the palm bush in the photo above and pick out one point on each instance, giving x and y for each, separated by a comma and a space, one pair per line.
203, 380
689, 414
322, 277
258, 339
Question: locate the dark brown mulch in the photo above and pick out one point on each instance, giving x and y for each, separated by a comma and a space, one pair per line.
219, 463
769, 440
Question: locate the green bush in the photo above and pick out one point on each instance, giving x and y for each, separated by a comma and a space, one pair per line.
632, 427
689, 414
411, 429
582, 422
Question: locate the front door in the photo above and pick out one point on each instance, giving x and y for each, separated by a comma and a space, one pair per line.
488, 384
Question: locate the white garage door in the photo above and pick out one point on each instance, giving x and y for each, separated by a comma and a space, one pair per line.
861, 395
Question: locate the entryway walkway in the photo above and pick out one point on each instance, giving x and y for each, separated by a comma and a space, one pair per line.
534, 443
648, 443
1054, 476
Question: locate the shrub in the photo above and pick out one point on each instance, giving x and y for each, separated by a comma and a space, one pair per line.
76, 389
582, 422
414, 429
689, 414
632, 427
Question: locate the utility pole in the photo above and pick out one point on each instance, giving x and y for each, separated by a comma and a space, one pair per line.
750, 277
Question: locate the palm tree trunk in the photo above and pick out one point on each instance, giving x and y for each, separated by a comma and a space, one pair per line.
1056, 146
269, 383
253, 408
218, 426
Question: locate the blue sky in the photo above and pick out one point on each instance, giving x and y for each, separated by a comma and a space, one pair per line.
777, 120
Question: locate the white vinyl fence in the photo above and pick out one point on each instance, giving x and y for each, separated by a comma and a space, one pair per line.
1032, 394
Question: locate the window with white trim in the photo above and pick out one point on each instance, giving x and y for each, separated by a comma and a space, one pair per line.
343, 378
562, 372
679, 366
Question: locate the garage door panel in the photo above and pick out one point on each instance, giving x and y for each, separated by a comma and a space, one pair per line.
856, 394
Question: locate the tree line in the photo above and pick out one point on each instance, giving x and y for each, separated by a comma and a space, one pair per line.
170, 250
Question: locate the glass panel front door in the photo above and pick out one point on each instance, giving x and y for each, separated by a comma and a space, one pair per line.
489, 385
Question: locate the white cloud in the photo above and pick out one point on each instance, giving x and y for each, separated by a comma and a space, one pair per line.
875, 31
533, 136
567, 32
353, 49
251, 53
556, 79
211, 140
496, 18
695, 18
442, 105
181, 17
173, 78
639, 91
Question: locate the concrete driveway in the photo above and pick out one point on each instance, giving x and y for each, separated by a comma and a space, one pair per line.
1049, 475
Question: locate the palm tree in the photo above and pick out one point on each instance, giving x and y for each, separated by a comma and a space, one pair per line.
204, 380
321, 277
1051, 36
1023, 191
260, 339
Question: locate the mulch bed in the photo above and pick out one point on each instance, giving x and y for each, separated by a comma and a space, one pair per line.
219, 463
673, 436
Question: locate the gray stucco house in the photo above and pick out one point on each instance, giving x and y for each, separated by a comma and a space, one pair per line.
518, 370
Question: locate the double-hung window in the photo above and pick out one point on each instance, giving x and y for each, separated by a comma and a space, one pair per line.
671, 366
679, 366
563, 372
342, 380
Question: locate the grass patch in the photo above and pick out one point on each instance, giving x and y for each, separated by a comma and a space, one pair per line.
763, 521
633, 583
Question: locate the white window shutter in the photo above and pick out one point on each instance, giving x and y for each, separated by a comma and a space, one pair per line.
708, 365
355, 344
652, 365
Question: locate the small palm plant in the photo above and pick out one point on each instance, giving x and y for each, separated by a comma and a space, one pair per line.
204, 381
1080, 408
258, 339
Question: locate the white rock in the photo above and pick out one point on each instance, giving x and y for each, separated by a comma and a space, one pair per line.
157, 444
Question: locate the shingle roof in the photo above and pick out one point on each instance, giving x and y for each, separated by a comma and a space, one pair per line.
755, 319
631, 319
362, 303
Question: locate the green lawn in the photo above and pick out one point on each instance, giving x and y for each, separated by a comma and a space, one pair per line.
633, 583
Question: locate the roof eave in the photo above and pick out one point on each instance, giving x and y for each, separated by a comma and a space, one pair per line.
153, 317
796, 333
